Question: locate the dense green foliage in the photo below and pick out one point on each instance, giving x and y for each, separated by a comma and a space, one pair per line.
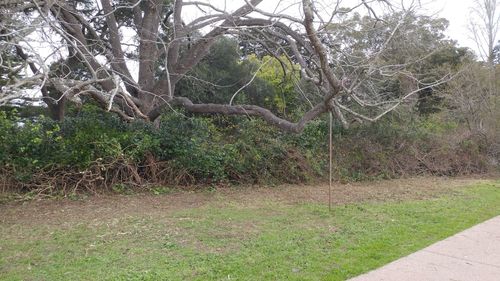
187, 149
199, 149
225, 72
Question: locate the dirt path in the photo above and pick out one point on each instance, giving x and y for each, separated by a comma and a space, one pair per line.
66, 211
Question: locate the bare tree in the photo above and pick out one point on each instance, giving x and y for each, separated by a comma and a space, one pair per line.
133, 53
484, 26
482, 101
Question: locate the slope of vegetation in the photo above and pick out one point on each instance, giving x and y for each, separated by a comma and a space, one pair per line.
95, 151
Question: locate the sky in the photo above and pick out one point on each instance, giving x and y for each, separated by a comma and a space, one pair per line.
456, 11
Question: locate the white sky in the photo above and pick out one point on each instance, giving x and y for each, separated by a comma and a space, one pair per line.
456, 11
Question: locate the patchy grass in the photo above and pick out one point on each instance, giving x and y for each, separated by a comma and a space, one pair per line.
227, 238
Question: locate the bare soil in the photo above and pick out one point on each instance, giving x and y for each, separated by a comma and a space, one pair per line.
105, 207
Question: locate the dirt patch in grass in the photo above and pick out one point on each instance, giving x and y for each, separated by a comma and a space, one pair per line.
109, 207
245, 232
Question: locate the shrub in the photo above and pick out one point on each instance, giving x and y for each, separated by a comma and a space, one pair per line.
96, 150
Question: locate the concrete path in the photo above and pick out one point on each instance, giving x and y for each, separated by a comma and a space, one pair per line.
471, 255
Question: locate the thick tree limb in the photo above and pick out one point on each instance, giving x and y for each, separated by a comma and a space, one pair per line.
247, 110
147, 44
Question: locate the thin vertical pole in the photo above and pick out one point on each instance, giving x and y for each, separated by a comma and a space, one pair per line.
330, 133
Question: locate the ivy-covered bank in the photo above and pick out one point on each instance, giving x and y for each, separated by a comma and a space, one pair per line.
94, 150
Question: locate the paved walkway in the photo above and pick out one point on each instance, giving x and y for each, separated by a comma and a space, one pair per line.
471, 255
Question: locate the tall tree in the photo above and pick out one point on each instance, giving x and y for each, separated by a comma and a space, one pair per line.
135, 53
485, 24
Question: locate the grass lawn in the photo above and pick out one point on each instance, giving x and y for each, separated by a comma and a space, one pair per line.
274, 235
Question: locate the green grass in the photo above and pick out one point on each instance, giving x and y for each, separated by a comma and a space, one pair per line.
271, 241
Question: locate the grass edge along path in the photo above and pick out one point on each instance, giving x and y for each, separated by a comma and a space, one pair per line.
232, 241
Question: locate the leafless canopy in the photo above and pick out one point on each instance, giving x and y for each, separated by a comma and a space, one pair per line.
167, 42
484, 25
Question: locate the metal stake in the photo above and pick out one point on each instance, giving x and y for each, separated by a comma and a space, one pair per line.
330, 162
